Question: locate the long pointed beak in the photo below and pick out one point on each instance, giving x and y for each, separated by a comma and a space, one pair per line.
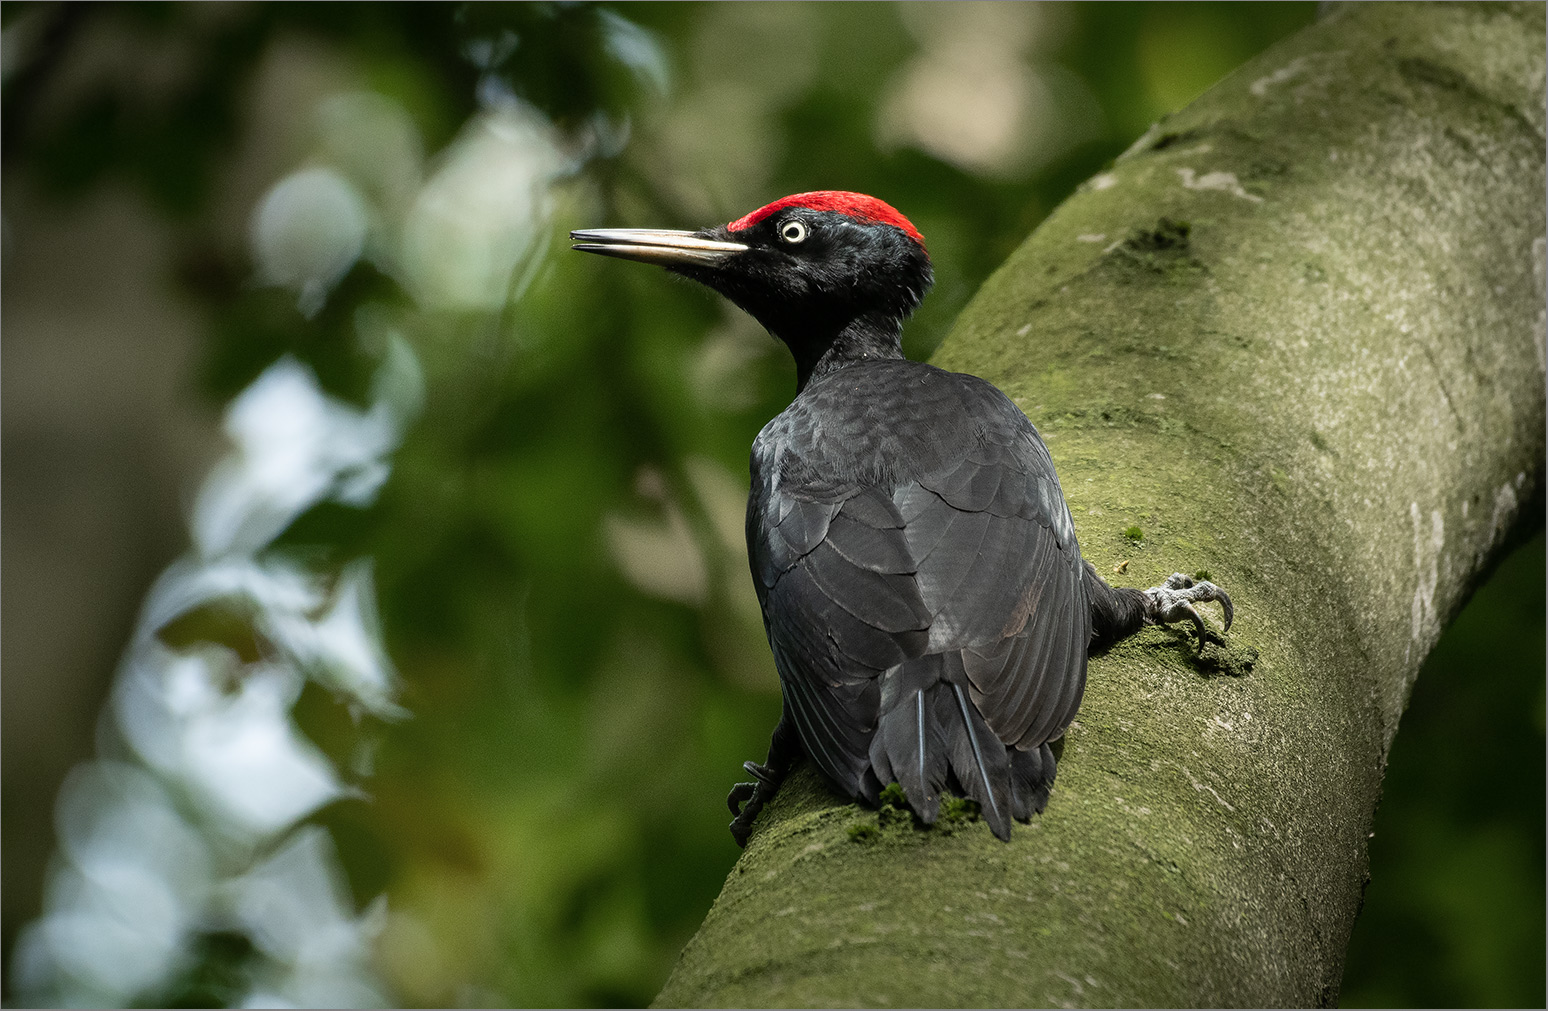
654, 245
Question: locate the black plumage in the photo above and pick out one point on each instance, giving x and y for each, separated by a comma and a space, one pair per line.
932, 599
924, 595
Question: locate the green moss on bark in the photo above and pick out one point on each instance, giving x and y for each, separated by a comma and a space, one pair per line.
1295, 336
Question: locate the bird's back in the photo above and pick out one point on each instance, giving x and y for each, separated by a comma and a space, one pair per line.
921, 585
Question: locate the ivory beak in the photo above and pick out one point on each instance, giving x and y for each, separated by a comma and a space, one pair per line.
654, 245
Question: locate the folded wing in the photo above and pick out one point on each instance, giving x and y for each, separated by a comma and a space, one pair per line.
933, 632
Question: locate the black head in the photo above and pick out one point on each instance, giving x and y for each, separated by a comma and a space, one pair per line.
821, 271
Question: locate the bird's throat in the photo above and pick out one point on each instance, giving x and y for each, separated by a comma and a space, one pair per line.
865, 338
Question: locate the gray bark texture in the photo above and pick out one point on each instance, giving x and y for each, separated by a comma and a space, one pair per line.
1296, 336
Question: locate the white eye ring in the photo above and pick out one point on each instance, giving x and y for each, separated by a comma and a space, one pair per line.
793, 232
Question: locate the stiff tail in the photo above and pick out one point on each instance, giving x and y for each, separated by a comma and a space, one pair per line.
932, 735
979, 760
1032, 777
909, 747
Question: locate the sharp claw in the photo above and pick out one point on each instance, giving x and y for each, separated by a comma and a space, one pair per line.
1174, 600
740, 832
1198, 623
759, 772
741, 826
740, 794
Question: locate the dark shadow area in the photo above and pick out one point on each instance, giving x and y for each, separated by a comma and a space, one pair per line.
1453, 914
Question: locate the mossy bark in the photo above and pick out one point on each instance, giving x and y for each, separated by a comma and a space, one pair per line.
1296, 337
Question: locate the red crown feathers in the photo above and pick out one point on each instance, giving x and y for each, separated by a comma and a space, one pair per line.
855, 205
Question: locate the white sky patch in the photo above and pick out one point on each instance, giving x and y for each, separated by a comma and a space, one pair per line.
1225, 182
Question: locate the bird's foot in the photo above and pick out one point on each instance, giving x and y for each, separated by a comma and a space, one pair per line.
746, 800
1173, 601
766, 775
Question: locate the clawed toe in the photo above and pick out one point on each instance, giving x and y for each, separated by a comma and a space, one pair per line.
746, 800
753, 796
1199, 629
740, 794
762, 773
1174, 600
1225, 606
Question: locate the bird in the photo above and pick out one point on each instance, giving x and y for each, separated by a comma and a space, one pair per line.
922, 588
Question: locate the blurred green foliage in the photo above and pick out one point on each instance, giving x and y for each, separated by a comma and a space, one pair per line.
1453, 914
558, 552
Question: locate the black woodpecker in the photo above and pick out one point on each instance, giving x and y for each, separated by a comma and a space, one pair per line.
922, 588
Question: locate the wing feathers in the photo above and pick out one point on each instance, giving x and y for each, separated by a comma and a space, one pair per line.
908, 748
921, 588
778, 543
835, 725
889, 602
978, 760
953, 556
874, 510
867, 547
800, 606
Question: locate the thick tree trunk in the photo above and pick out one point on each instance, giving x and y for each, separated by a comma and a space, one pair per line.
1296, 336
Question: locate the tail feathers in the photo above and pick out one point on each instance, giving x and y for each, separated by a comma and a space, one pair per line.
1032, 777
933, 736
978, 758
908, 748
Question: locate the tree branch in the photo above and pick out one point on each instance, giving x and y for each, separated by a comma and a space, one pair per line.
1296, 336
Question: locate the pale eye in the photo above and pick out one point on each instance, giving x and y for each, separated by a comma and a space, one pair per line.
792, 232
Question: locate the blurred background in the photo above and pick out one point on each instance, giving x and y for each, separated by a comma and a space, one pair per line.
362, 542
